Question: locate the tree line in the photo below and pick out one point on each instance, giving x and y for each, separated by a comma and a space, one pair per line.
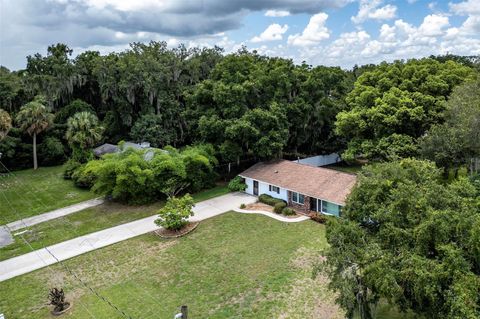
245, 104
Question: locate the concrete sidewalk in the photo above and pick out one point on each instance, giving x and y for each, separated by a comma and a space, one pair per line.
274, 216
40, 258
30, 221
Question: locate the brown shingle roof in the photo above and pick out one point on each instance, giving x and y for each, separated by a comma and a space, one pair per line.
322, 183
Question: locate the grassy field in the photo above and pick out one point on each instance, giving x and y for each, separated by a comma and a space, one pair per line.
231, 266
28, 193
88, 221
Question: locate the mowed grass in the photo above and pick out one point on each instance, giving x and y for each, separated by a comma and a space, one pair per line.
87, 221
31, 192
231, 266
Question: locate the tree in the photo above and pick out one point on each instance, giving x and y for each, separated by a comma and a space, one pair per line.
5, 124
457, 141
174, 215
407, 237
34, 118
83, 133
150, 128
401, 98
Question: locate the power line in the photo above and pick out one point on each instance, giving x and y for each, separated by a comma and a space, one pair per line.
124, 314
78, 235
40, 257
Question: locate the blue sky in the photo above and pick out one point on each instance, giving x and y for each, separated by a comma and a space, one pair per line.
329, 32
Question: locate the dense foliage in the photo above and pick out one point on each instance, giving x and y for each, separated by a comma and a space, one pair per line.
407, 237
83, 132
174, 215
456, 142
237, 184
5, 124
139, 176
394, 104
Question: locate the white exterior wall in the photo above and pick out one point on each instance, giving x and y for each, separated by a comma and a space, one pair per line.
249, 183
263, 189
320, 160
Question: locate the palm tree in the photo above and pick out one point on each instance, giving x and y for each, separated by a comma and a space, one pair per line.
34, 118
5, 124
83, 132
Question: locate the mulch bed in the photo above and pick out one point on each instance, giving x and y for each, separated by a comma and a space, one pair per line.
165, 233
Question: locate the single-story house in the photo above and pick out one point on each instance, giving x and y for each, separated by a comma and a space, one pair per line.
306, 188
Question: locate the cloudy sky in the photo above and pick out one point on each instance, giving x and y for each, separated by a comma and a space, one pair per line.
328, 32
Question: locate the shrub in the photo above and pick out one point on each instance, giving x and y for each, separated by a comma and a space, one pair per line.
237, 184
69, 168
319, 218
278, 207
57, 299
83, 177
51, 151
287, 211
174, 215
269, 200
243, 206
131, 177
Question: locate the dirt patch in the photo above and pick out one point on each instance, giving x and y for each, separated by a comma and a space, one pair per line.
165, 233
259, 206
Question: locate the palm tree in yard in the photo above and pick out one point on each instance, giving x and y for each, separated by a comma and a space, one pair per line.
83, 132
5, 124
34, 118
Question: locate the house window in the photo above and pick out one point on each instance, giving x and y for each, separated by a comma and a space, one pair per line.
298, 198
274, 189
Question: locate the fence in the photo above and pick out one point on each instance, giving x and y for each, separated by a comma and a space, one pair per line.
320, 160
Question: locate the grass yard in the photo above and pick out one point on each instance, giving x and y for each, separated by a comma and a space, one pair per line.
231, 266
88, 221
346, 168
31, 192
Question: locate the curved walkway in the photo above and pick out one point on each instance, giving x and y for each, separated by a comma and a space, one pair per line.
274, 216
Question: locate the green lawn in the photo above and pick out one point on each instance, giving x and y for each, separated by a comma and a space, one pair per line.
31, 192
231, 266
88, 221
346, 168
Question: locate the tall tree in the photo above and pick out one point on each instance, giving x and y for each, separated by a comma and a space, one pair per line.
401, 99
83, 133
408, 238
5, 124
34, 118
457, 141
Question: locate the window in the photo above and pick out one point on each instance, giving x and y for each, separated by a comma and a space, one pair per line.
274, 189
330, 208
298, 198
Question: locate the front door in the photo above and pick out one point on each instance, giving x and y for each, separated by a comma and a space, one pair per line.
255, 188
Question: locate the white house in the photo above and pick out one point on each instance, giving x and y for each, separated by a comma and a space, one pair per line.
306, 188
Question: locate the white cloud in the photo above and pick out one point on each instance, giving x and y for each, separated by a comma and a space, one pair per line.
277, 13
272, 32
465, 7
369, 9
433, 25
315, 32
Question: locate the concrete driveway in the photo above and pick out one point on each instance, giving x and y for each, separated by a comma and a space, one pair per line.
40, 258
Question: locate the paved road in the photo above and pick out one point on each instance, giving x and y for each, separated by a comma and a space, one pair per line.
27, 222
40, 258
